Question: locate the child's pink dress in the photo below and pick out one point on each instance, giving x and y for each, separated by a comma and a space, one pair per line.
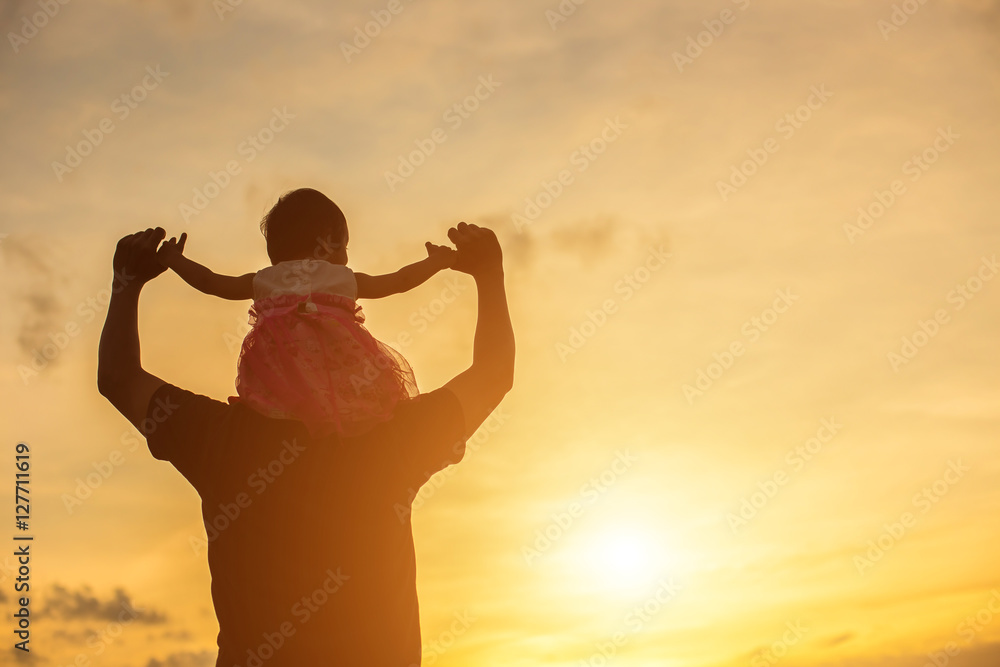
308, 356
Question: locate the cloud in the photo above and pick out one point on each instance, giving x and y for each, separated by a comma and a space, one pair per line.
984, 655
598, 238
987, 655
33, 284
12, 13
840, 639
84, 605
71, 637
588, 240
185, 659
182, 15
19, 657
181, 11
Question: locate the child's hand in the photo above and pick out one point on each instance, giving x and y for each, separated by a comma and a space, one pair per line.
443, 254
170, 250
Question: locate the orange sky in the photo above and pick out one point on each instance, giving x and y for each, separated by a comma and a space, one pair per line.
751, 425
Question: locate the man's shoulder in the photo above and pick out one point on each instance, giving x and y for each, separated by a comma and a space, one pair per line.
429, 427
176, 413
441, 400
168, 398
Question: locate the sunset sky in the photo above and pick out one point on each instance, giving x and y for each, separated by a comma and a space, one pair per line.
751, 253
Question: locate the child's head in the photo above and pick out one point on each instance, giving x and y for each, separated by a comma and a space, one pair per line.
305, 224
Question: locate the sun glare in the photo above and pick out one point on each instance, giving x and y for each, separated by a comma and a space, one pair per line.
623, 558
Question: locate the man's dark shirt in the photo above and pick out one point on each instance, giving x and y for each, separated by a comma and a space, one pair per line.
309, 541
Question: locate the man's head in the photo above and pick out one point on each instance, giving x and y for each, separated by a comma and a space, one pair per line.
305, 224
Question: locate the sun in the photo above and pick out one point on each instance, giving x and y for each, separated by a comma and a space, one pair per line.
623, 558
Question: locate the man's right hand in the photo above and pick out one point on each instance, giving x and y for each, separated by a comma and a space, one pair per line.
483, 385
135, 260
479, 252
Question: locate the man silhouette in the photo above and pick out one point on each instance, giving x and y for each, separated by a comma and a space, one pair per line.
312, 562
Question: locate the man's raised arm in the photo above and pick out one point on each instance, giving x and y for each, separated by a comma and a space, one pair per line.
484, 384
120, 376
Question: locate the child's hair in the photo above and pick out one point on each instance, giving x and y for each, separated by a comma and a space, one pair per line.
302, 221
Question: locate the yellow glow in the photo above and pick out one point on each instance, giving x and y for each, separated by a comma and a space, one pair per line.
621, 558
659, 455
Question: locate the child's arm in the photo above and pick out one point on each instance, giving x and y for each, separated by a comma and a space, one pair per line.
234, 288
375, 287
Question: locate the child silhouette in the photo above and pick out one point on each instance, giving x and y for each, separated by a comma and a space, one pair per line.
308, 355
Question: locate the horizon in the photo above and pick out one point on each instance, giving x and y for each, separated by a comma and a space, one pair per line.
750, 252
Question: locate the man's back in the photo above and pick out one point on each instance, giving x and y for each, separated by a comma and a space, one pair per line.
310, 544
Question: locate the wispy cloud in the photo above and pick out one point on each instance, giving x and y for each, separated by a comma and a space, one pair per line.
185, 659
82, 605
35, 286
